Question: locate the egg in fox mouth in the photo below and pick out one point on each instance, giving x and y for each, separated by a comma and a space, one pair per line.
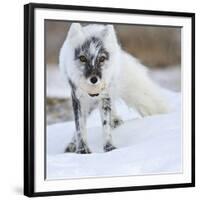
93, 90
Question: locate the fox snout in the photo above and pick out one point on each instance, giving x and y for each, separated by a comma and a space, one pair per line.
93, 80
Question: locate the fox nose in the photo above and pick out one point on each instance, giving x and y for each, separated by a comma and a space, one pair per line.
93, 79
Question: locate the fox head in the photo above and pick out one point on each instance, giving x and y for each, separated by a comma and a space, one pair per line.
90, 53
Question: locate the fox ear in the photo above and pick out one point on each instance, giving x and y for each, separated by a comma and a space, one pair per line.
74, 30
110, 28
109, 31
110, 38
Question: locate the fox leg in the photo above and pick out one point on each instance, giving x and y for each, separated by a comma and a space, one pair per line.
79, 141
105, 109
115, 119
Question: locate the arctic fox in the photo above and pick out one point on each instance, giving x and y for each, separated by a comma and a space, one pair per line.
99, 71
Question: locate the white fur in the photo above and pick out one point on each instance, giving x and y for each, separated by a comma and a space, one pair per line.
138, 90
124, 75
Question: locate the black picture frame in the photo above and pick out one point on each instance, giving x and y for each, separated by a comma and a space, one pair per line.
29, 96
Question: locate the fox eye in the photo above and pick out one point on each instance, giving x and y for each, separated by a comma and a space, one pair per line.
102, 59
83, 59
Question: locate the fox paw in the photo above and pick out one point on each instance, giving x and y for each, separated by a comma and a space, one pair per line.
83, 148
115, 122
108, 147
71, 148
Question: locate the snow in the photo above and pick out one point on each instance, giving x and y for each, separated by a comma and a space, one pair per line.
150, 145
169, 77
56, 86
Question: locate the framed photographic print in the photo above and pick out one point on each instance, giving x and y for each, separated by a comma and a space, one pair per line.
108, 99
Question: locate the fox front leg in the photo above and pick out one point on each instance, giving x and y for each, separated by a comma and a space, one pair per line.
116, 121
105, 109
79, 141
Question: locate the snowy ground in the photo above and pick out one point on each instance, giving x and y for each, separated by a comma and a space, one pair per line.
150, 145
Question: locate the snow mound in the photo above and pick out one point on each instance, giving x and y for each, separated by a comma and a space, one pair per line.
150, 145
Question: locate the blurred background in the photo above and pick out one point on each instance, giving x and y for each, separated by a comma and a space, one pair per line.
157, 47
